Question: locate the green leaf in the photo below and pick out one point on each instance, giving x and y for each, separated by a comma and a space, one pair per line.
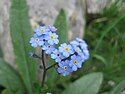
99, 57
51, 74
61, 25
10, 79
118, 88
21, 32
88, 84
105, 93
1, 53
108, 29
6, 91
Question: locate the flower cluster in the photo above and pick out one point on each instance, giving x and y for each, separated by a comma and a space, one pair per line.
45, 37
70, 57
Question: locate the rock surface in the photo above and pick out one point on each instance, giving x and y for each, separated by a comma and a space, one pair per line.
5, 39
46, 11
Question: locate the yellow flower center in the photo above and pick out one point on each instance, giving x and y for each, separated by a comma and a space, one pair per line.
51, 37
66, 49
42, 30
75, 62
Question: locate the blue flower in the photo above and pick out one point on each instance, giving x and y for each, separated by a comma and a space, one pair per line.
81, 48
80, 40
51, 28
66, 50
48, 48
52, 38
40, 30
86, 54
64, 68
82, 43
57, 55
76, 47
84, 47
74, 43
36, 41
75, 62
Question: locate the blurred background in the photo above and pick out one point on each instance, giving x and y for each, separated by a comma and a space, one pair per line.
101, 23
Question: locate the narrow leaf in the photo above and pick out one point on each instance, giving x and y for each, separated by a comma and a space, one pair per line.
112, 25
99, 57
21, 33
61, 25
1, 53
88, 84
6, 91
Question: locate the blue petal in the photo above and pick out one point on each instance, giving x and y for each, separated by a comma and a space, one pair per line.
61, 64
41, 43
53, 56
58, 60
66, 54
34, 45
50, 42
56, 41
60, 49
71, 64
59, 70
79, 65
74, 68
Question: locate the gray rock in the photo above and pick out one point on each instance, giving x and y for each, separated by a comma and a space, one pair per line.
95, 6
47, 11
5, 39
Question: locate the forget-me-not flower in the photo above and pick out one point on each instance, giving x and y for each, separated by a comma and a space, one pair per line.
36, 41
51, 28
40, 30
75, 62
52, 38
82, 43
64, 68
74, 43
48, 48
69, 57
57, 55
66, 50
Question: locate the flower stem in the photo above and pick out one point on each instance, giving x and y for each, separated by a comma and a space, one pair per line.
44, 69
36, 56
51, 66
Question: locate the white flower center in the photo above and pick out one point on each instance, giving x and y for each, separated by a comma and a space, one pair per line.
37, 39
65, 67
